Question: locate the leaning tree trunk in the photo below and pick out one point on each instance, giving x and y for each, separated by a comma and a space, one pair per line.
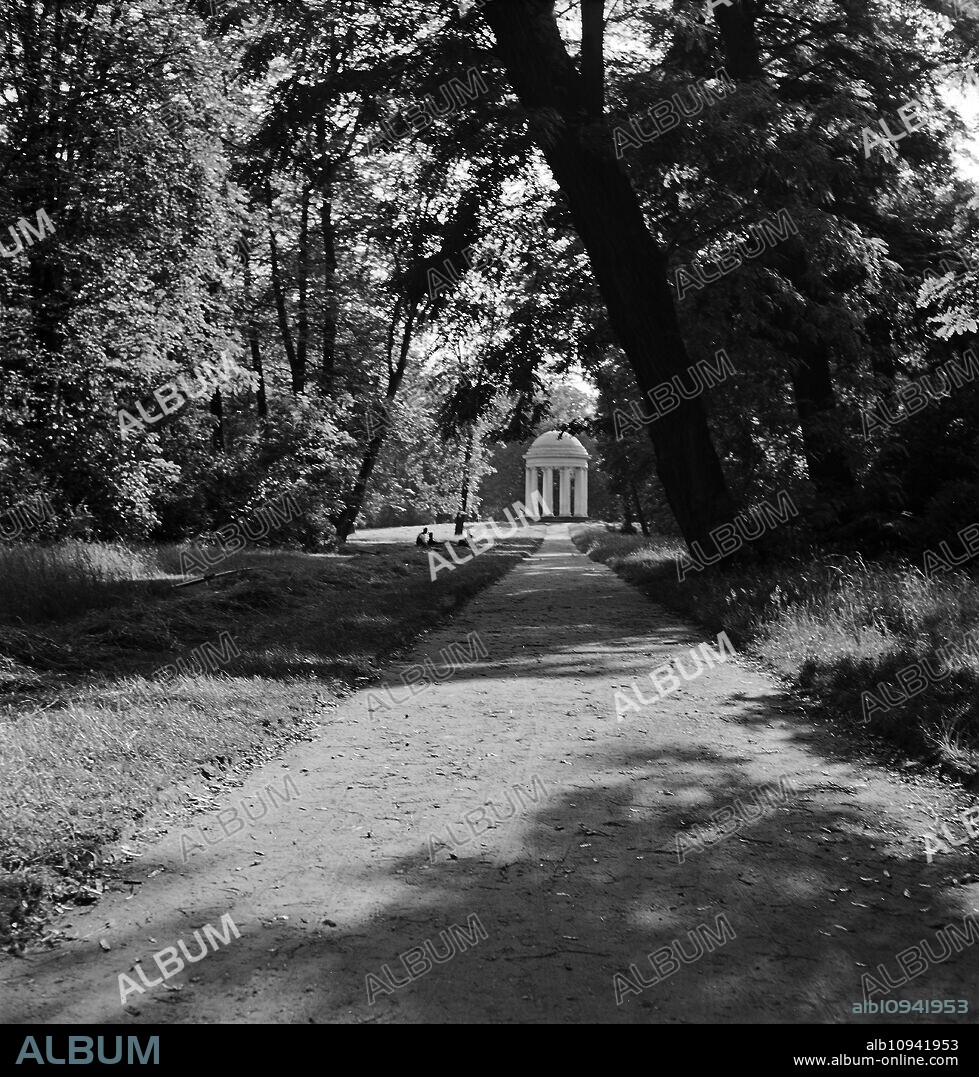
631, 271
355, 501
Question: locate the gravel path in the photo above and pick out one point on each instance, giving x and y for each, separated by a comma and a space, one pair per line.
530, 903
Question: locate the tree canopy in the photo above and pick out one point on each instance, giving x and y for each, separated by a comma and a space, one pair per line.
351, 252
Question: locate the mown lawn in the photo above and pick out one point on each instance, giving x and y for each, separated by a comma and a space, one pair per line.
838, 628
94, 733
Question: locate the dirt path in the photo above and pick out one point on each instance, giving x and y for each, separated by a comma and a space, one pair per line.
338, 882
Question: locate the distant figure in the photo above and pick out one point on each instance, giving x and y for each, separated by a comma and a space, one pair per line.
421, 540
431, 538
460, 522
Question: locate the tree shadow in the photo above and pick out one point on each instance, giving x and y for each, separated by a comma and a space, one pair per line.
575, 889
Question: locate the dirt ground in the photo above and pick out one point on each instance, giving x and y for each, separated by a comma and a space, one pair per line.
329, 888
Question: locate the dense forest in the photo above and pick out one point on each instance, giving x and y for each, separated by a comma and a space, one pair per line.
357, 253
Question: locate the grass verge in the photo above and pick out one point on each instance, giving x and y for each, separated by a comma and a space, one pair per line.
104, 716
877, 646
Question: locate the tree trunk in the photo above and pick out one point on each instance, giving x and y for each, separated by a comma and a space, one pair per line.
815, 401
302, 310
354, 503
736, 22
261, 398
331, 304
640, 515
593, 56
217, 410
254, 344
466, 462
298, 382
630, 270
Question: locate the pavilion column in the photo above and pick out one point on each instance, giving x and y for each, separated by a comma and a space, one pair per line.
529, 485
549, 490
581, 508
565, 500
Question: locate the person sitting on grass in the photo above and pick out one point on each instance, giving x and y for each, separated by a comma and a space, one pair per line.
431, 538
422, 541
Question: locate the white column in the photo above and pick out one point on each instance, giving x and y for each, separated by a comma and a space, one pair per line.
549, 489
565, 491
582, 506
528, 484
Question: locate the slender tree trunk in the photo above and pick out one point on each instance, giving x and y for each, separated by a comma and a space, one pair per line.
254, 344
640, 515
630, 269
355, 502
302, 311
466, 465
298, 383
815, 402
217, 410
331, 301
261, 398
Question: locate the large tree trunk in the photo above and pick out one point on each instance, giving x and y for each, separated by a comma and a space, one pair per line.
736, 22
593, 56
629, 268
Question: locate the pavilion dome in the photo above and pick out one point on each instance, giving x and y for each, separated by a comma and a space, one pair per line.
554, 445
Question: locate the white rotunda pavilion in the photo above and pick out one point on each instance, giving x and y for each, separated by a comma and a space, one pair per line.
557, 467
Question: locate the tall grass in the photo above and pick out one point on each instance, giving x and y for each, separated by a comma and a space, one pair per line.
836, 626
62, 580
40, 583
